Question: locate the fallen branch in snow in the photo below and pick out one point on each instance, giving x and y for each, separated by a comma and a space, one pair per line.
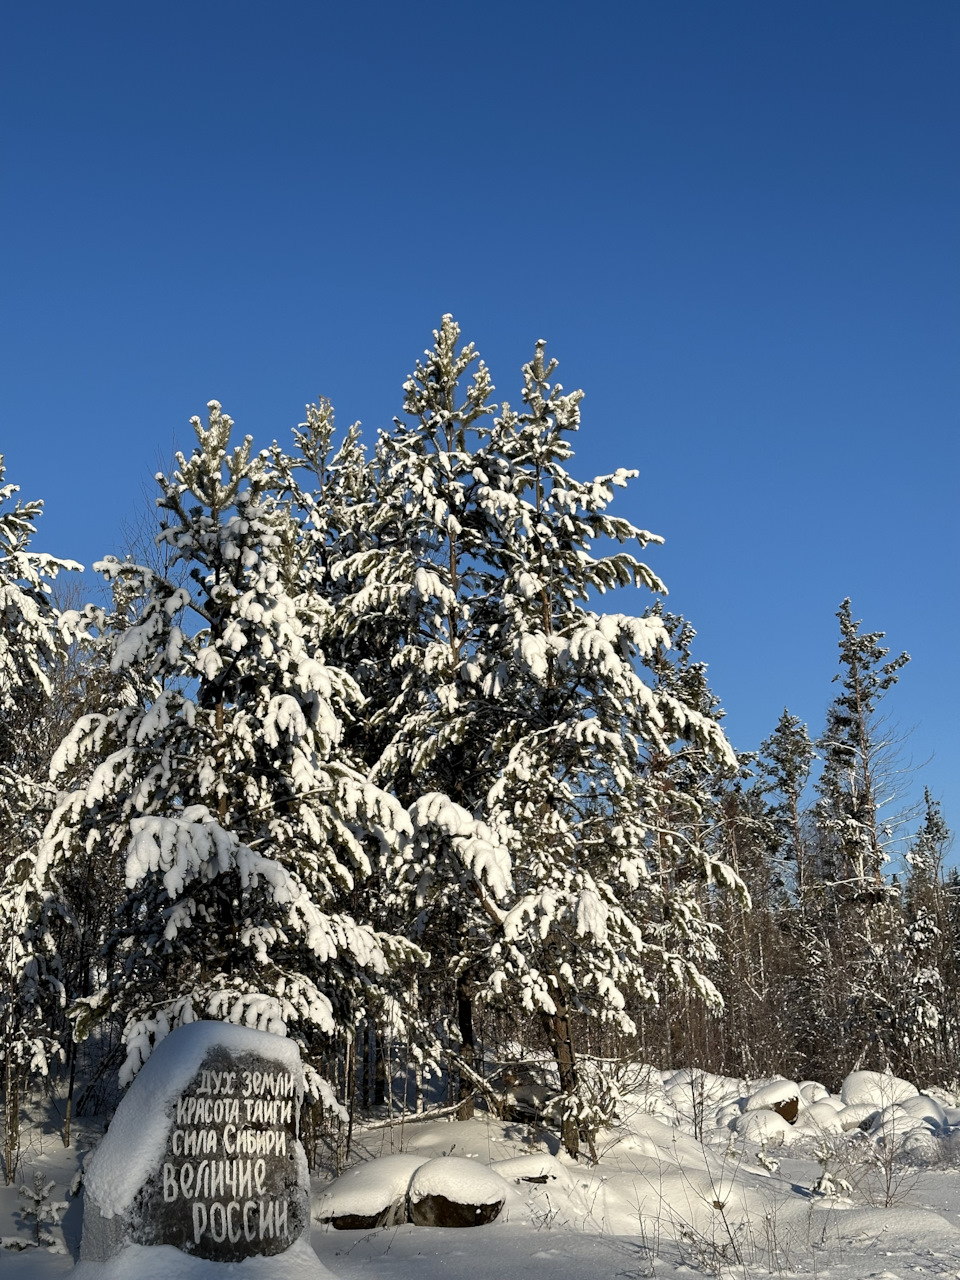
400, 1118
485, 1088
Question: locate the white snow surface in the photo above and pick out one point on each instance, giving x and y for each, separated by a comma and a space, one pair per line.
926, 1108
536, 1165
133, 1146
677, 1192
163, 1262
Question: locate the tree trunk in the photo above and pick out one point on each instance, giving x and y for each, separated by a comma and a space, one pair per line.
467, 1046
560, 1035
365, 1084
380, 1070
68, 1111
11, 1141
349, 1098
417, 1060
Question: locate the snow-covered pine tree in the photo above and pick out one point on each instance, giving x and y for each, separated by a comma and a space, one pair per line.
859, 909
780, 933
330, 487
853, 750
787, 757
219, 781
418, 574
333, 519
930, 1004
927, 853
690, 787
31, 650
594, 921
521, 713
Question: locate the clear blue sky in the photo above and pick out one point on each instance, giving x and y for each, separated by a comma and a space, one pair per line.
735, 223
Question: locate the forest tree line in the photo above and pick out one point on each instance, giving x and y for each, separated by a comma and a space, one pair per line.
348, 752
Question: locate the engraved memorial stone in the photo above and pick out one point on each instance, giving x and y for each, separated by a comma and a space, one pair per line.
203, 1153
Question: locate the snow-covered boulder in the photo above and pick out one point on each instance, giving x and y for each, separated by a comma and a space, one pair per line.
921, 1145
893, 1123
813, 1091
927, 1108
875, 1087
819, 1118
782, 1096
455, 1192
203, 1154
728, 1115
372, 1194
858, 1115
833, 1100
764, 1126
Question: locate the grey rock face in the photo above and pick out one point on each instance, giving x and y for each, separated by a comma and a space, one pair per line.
231, 1181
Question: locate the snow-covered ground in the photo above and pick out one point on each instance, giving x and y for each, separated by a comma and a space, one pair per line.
703, 1175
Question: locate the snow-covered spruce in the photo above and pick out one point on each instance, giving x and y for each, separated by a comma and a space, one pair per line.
31, 910
866, 945
514, 721
221, 779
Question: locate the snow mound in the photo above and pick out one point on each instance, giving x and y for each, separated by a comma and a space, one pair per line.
728, 1115
924, 1107
875, 1087
896, 1228
481, 1138
368, 1189
893, 1124
857, 1114
458, 1179
776, 1093
813, 1091
819, 1118
943, 1096
647, 1094
764, 1126
692, 1091
701, 1100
